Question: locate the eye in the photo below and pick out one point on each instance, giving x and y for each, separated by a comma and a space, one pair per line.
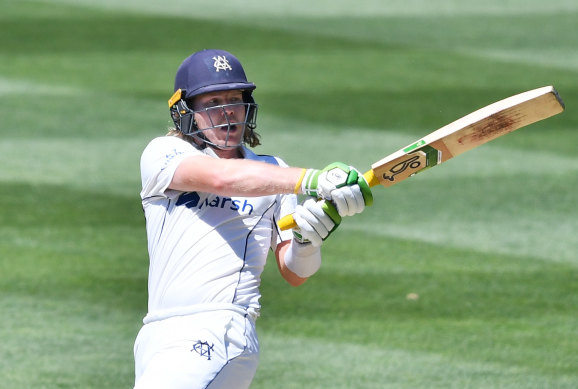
206, 104
212, 103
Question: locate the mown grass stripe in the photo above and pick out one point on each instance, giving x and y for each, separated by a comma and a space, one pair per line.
9, 86
305, 9
346, 366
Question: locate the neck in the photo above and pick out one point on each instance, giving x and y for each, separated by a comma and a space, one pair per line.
228, 153
221, 153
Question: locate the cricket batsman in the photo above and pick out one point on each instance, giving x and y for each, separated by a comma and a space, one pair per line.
212, 208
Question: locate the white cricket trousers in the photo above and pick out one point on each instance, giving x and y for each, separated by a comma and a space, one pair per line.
205, 350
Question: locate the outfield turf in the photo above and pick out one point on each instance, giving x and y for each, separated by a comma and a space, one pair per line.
463, 277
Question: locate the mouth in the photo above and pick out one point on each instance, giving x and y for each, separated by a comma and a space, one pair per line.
230, 129
229, 133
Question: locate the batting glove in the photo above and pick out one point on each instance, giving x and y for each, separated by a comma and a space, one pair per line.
315, 220
340, 183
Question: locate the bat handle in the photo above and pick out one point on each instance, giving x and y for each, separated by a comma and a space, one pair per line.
371, 178
287, 222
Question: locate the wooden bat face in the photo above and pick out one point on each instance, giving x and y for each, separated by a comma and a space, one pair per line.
471, 131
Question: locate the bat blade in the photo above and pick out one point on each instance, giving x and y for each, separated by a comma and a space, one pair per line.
469, 132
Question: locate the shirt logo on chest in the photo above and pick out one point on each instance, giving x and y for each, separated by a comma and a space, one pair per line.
193, 200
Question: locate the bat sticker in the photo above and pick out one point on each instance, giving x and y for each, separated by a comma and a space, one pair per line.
420, 160
414, 146
412, 163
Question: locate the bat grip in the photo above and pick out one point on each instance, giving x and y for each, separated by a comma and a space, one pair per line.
371, 178
287, 222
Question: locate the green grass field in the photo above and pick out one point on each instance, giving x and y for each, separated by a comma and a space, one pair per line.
463, 277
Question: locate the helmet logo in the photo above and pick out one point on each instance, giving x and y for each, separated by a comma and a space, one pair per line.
221, 63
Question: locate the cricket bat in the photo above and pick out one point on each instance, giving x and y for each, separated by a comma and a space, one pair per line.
471, 131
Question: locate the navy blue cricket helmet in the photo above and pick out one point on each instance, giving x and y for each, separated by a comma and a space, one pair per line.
212, 71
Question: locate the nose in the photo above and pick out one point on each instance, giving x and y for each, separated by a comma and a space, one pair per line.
227, 115
232, 111
229, 111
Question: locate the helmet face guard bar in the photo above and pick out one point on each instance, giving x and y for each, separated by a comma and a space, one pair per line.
184, 120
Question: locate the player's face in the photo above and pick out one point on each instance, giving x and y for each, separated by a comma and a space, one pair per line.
221, 116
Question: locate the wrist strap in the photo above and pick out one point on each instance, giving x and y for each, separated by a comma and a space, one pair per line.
298, 185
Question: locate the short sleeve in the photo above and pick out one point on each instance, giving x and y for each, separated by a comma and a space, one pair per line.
159, 162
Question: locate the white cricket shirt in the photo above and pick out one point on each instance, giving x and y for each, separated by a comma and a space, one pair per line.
204, 248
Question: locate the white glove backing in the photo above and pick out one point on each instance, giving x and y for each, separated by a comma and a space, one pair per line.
316, 220
348, 200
